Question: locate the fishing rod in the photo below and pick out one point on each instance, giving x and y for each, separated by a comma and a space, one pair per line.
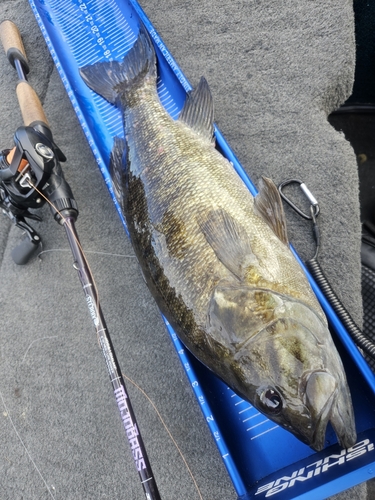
30, 176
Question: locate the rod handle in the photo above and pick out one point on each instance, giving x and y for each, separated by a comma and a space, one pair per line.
31, 107
13, 46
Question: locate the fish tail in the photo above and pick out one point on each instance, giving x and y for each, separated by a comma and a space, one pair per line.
113, 78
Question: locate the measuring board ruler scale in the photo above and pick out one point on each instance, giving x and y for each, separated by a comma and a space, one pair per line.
81, 32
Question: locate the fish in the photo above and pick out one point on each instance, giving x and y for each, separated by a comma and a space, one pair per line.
217, 259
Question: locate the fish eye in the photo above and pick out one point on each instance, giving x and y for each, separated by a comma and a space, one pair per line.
271, 401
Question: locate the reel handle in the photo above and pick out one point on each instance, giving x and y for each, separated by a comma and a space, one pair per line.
23, 252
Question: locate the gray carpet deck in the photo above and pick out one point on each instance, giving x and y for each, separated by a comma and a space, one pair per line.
276, 71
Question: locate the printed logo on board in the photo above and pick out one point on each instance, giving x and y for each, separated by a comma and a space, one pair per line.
315, 469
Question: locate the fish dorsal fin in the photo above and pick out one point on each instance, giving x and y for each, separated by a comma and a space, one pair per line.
229, 241
269, 206
198, 110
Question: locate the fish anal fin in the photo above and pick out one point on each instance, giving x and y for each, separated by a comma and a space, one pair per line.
198, 111
269, 206
229, 241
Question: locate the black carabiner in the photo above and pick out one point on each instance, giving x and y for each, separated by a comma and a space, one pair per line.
314, 204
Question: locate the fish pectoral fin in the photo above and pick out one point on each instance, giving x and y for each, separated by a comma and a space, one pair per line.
236, 314
198, 111
117, 169
268, 205
228, 240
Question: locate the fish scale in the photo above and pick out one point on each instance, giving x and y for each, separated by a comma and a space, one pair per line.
163, 180
217, 181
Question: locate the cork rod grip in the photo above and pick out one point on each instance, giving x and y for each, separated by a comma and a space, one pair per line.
31, 107
12, 42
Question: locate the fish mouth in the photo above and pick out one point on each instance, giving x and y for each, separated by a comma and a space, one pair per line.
328, 400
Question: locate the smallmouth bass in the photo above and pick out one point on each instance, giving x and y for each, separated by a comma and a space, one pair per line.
217, 260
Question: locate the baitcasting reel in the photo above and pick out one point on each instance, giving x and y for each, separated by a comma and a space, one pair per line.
30, 174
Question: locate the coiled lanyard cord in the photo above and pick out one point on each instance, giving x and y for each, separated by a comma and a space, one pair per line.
362, 341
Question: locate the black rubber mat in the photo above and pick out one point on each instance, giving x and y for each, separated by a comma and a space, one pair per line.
368, 297
364, 88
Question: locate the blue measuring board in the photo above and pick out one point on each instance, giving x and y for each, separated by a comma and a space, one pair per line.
262, 459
